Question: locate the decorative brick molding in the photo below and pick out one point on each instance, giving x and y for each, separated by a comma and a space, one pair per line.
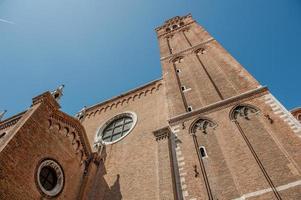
172, 21
124, 99
182, 28
70, 127
284, 114
60, 122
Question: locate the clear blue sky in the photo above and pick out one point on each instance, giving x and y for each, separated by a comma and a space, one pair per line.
101, 48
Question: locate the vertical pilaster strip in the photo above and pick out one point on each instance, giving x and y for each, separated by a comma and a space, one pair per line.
166, 178
168, 44
258, 161
203, 170
186, 37
210, 78
179, 86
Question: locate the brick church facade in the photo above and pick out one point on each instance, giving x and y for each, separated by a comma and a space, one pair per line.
206, 130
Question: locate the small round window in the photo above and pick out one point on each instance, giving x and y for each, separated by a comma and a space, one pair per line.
116, 128
50, 178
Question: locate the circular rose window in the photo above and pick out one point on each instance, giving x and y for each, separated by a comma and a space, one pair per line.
116, 128
50, 178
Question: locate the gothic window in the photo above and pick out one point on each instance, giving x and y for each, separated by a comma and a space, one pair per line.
50, 178
116, 128
203, 125
244, 111
203, 152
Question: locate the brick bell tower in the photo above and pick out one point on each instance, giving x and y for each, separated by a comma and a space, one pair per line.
231, 138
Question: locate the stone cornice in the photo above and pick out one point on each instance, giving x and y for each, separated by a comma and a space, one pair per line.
248, 94
161, 134
193, 48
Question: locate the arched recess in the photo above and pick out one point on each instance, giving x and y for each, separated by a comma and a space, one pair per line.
202, 124
244, 111
260, 144
200, 130
212, 162
200, 50
177, 59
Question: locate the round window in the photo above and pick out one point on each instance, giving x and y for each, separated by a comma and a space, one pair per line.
116, 128
50, 178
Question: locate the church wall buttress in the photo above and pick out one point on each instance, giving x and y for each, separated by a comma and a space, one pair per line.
166, 183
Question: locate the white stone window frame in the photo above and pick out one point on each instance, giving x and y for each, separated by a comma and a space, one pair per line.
205, 151
60, 177
185, 89
98, 137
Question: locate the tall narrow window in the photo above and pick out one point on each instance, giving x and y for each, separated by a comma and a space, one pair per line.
203, 152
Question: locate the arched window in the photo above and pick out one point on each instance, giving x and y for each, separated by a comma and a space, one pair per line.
244, 111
